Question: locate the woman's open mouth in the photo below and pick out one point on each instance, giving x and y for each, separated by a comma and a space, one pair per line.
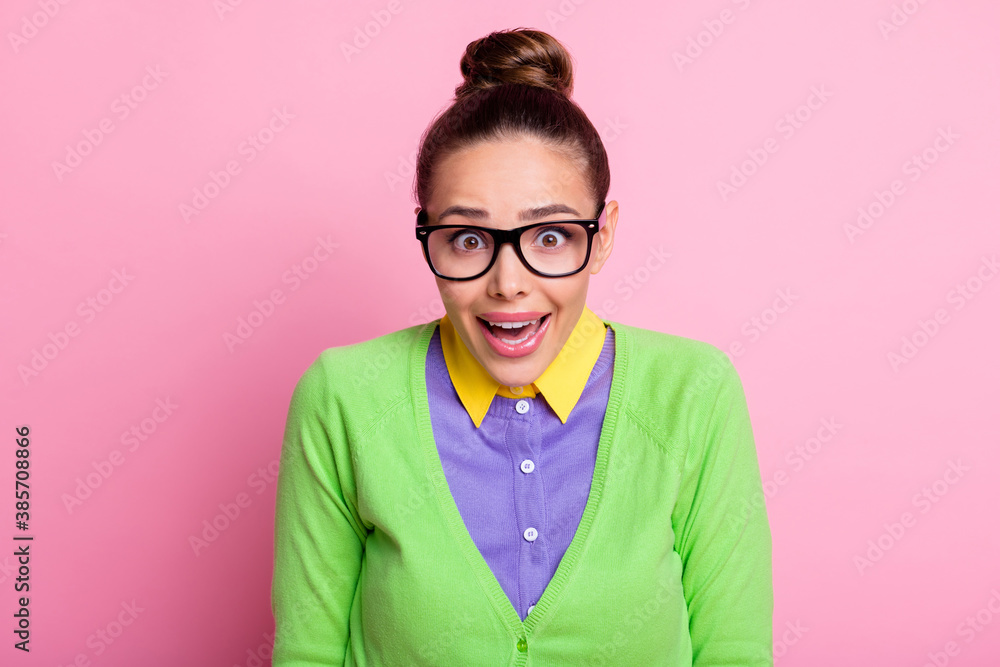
515, 339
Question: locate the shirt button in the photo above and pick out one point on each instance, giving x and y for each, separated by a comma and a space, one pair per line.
527, 465
522, 406
517, 390
522, 645
530, 534
530, 608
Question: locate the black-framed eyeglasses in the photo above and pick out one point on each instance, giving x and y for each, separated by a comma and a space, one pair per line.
550, 249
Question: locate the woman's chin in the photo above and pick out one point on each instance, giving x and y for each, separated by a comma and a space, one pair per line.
526, 373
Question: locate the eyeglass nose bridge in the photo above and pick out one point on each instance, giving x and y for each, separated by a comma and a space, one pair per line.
501, 237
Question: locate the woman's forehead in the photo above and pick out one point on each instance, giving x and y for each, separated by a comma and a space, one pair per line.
509, 179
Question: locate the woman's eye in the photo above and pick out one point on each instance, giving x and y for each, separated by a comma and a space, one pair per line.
553, 237
465, 239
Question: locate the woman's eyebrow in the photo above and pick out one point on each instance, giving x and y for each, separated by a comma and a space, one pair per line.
525, 215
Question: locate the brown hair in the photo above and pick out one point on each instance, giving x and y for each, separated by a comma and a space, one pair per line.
517, 84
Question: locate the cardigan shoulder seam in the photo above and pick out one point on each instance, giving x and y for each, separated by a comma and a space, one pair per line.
646, 429
709, 356
378, 421
373, 352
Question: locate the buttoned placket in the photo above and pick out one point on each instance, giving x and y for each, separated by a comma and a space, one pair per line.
523, 441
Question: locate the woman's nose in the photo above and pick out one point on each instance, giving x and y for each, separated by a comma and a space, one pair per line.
508, 274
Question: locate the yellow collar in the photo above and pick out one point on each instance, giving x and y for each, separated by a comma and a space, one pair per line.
562, 382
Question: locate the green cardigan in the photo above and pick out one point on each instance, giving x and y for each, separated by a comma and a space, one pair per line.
670, 564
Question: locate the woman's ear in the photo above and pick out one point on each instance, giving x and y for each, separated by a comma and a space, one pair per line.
605, 238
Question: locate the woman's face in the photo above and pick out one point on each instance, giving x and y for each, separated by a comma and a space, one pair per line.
506, 180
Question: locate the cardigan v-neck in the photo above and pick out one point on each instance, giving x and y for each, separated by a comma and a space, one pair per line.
499, 500
670, 564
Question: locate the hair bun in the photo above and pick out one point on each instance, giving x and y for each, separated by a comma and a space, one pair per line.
522, 56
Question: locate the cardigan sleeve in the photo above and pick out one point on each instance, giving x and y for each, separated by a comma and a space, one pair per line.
722, 532
319, 538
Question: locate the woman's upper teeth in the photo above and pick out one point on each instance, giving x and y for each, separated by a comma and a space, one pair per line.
512, 325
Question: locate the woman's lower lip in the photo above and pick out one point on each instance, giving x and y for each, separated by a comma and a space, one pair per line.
520, 349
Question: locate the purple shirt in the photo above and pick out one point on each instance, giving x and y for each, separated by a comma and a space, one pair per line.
521, 480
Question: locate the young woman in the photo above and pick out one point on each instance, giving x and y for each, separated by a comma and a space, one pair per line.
519, 482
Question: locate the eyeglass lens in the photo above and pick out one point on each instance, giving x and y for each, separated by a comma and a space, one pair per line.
465, 252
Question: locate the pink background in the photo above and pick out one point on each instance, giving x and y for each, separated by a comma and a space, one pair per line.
338, 166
